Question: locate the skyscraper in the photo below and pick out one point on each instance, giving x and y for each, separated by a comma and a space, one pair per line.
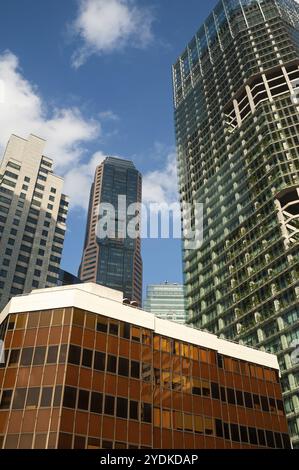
237, 129
166, 301
33, 214
114, 261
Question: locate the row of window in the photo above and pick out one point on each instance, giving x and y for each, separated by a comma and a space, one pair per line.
35, 356
107, 404
112, 364
31, 398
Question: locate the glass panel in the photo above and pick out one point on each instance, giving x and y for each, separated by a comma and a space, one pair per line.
52, 355
90, 321
39, 356
111, 364
109, 405
87, 358
99, 361
26, 357
102, 324
122, 408
69, 399
57, 319
5, 399
21, 321
33, 320
32, 398
46, 398
83, 401
14, 357
96, 404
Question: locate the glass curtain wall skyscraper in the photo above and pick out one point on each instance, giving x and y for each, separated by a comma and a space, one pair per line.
237, 128
114, 261
166, 301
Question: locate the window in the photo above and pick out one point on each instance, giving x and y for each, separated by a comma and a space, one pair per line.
248, 400
234, 429
26, 358
122, 408
256, 401
113, 328
32, 398
6, 399
265, 404
134, 410
87, 358
111, 364
83, 400
69, 399
146, 413
135, 370
123, 367
109, 405
102, 325
74, 355
99, 361
261, 436
231, 396
26, 179
244, 434
14, 357
19, 399
46, 398
39, 356
240, 400
252, 436
96, 404
215, 391
52, 355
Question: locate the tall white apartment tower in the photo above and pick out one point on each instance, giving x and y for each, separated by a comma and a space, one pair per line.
33, 214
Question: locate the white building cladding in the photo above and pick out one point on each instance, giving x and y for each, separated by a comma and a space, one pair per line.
107, 302
33, 214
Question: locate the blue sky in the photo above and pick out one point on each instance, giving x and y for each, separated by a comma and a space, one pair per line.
93, 77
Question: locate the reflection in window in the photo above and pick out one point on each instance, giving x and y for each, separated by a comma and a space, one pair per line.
122, 408
74, 355
146, 413
26, 358
102, 324
32, 398
135, 369
99, 361
19, 399
96, 403
113, 328
14, 357
5, 399
134, 407
123, 367
46, 398
52, 355
39, 356
87, 358
109, 405
69, 399
83, 400
111, 364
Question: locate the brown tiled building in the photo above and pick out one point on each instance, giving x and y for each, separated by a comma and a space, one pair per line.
82, 370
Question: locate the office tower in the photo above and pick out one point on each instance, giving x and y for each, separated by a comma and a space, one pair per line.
166, 301
88, 371
67, 279
237, 129
33, 214
114, 261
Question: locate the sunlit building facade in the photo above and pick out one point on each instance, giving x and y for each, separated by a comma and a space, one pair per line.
114, 261
83, 370
237, 127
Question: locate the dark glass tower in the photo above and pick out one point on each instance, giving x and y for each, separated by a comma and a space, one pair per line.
237, 128
114, 261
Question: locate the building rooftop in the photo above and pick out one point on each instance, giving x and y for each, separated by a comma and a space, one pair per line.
109, 303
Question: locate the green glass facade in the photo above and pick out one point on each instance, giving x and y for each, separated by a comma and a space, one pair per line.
166, 301
237, 129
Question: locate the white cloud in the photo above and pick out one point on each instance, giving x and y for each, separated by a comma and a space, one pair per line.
104, 26
23, 111
161, 186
